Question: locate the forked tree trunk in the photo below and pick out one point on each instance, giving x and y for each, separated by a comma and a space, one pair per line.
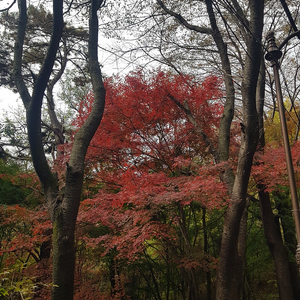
62, 202
230, 260
64, 212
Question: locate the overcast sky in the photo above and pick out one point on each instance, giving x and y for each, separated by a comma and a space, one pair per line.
8, 101
110, 66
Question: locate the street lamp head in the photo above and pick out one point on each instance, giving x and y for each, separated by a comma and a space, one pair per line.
273, 52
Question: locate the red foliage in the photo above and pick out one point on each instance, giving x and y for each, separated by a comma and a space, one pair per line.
270, 167
27, 230
148, 163
142, 124
149, 159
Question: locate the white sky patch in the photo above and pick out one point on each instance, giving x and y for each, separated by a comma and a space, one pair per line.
8, 101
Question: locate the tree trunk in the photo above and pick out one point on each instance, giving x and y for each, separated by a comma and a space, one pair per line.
271, 230
275, 244
205, 248
64, 212
62, 201
230, 259
63, 216
190, 274
63, 259
284, 208
239, 276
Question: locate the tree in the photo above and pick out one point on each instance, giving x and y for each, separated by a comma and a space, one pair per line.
61, 190
72, 50
234, 33
232, 250
22, 229
275, 223
13, 187
156, 180
229, 37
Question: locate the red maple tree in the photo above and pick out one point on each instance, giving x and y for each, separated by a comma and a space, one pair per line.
151, 167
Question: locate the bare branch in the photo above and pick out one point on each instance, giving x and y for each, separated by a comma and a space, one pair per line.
9, 7
183, 21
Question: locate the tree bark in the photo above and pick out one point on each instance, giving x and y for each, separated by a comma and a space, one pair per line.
62, 201
275, 244
65, 213
284, 208
272, 233
230, 258
206, 250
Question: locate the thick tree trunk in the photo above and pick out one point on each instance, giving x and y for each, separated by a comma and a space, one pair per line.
63, 259
230, 259
62, 201
64, 213
63, 216
239, 275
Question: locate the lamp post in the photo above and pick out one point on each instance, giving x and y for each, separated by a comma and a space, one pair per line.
273, 55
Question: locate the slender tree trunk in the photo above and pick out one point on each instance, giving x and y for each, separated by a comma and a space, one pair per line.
190, 274
239, 276
284, 208
271, 231
205, 248
275, 244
